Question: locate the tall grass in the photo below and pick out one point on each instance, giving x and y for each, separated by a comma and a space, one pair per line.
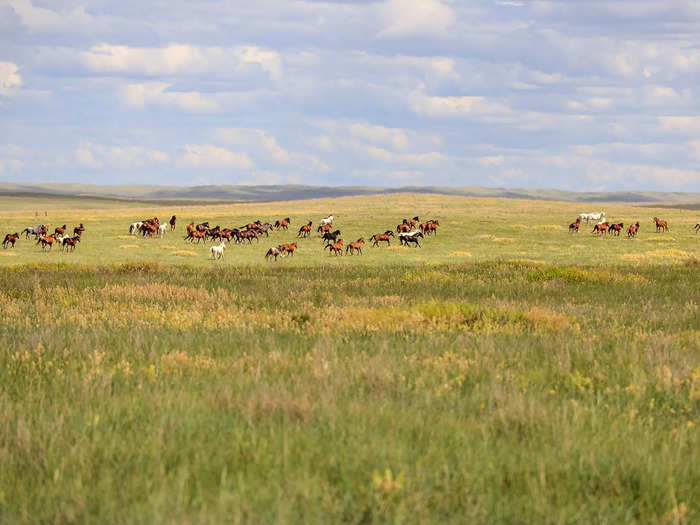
487, 392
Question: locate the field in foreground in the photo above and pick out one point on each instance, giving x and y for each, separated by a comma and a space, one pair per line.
493, 392
506, 372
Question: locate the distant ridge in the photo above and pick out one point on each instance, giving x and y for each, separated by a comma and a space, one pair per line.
301, 192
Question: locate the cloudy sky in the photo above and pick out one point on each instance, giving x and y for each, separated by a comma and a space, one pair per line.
594, 95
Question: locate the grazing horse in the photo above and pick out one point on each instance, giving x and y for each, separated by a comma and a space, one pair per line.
632, 230
384, 237
289, 248
217, 252
573, 227
615, 229
331, 236
172, 222
327, 220
10, 238
60, 230
600, 228
336, 248
403, 228
284, 223
661, 226
356, 246
305, 230
405, 238
274, 252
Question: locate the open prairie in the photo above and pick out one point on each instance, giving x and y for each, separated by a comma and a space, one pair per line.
507, 371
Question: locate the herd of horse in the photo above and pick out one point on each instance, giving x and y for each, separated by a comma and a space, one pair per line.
42, 237
603, 226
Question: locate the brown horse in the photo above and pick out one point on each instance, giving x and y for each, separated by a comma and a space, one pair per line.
46, 240
172, 222
289, 247
283, 223
697, 227
383, 237
632, 230
411, 222
60, 230
200, 236
70, 242
355, 246
661, 226
403, 228
573, 227
615, 229
305, 230
431, 227
600, 228
249, 235
323, 228
274, 252
78, 230
10, 238
335, 248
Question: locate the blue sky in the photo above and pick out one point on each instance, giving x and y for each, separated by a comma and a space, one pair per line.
594, 95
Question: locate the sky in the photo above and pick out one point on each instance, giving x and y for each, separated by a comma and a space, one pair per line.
589, 96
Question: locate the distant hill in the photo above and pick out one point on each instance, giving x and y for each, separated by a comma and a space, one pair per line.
299, 192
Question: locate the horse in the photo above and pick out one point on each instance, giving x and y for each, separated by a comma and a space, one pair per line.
265, 228
46, 240
172, 222
10, 238
202, 226
615, 229
592, 216
632, 230
356, 246
217, 252
431, 227
305, 230
405, 238
60, 230
403, 228
34, 230
600, 228
289, 248
161, 230
135, 227
331, 236
697, 227
411, 222
323, 228
283, 223
200, 236
70, 242
336, 248
274, 252
661, 226
573, 227
383, 237
250, 235
327, 220
78, 230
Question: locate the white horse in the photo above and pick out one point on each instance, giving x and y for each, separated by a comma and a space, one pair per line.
592, 216
161, 230
135, 227
217, 252
327, 220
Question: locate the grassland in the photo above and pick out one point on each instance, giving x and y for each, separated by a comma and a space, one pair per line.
548, 378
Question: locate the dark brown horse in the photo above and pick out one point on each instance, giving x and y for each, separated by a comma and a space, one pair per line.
10, 238
172, 222
305, 230
78, 230
615, 229
573, 227
60, 230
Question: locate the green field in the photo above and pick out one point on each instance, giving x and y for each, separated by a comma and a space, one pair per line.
506, 372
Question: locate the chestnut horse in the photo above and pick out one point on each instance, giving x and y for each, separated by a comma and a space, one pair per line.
384, 237
632, 230
355, 246
336, 248
78, 230
284, 223
289, 248
403, 228
573, 227
600, 228
46, 240
305, 230
60, 230
10, 238
615, 229
661, 226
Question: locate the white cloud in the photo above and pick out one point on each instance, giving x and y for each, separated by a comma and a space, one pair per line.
415, 18
155, 94
98, 156
40, 19
9, 78
394, 137
461, 106
207, 155
384, 155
